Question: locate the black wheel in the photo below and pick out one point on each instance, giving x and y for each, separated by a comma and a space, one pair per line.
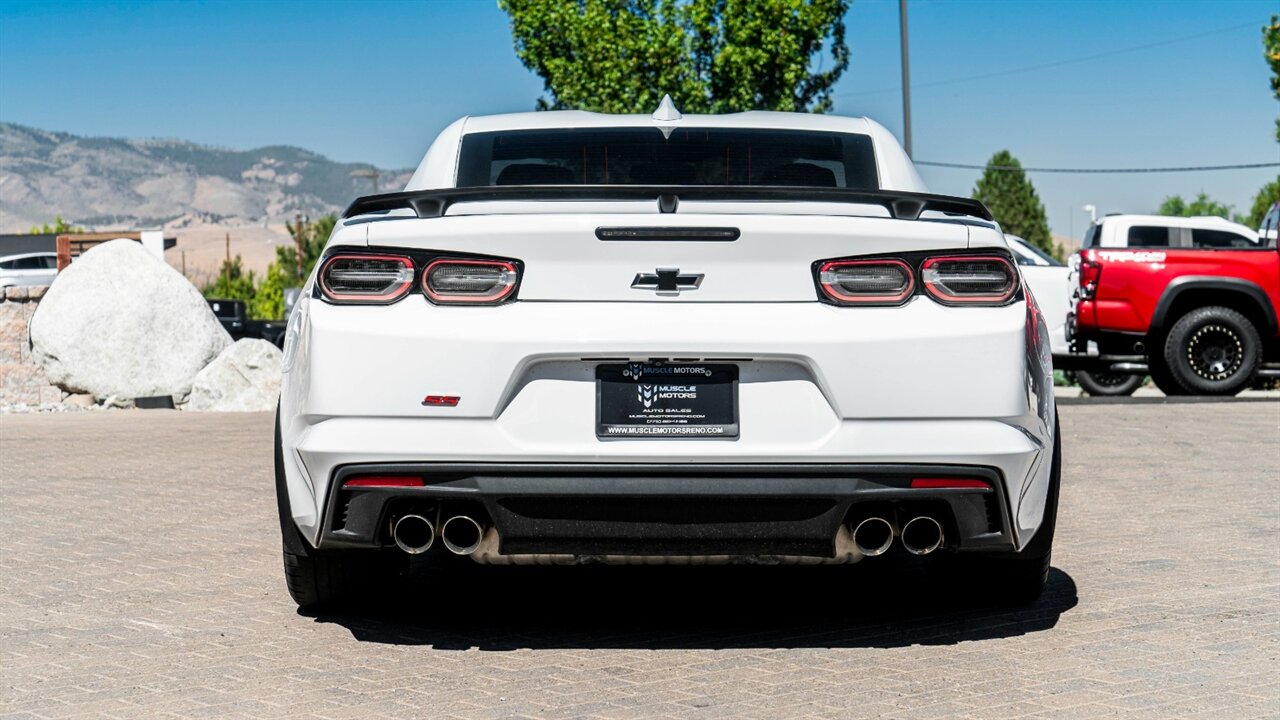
1101, 384
1016, 578
1164, 379
320, 579
1213, 351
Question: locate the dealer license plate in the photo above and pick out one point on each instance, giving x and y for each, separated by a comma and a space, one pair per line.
666, 400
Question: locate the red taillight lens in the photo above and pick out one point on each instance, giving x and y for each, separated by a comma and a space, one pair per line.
872, 282
973, 279
944, 483
366, 278
1090, 273
455, 281
372, 481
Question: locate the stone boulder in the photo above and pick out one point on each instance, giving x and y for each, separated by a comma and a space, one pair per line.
120, 322
244, 378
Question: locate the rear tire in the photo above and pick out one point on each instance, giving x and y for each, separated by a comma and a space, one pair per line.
1107, 384
1164, 379
323, 579
1017, 578
1213, 351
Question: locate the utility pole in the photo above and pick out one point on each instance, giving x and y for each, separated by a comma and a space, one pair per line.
906, 80
297, 239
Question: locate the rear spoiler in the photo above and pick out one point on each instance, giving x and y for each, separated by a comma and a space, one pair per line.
434, 203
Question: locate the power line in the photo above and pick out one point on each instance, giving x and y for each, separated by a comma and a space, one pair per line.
1098, 171
1056, 63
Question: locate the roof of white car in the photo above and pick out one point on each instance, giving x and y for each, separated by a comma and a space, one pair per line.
1177, 221
18, 256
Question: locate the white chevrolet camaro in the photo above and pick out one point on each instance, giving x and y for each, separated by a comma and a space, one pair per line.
586, 338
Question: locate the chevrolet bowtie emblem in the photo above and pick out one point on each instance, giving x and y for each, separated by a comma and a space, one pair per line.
667, 281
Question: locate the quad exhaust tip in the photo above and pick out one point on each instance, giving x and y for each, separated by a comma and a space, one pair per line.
461, 534
873, 536
922, 535
413, 534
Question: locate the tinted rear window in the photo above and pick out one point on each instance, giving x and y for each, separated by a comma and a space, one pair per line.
642, 156
1202, 238
1148, 236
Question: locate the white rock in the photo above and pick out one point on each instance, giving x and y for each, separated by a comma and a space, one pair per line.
244, 378
120, 322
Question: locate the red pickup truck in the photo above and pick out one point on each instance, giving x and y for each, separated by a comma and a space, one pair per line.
1191, 301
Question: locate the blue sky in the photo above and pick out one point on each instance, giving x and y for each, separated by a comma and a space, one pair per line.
374, 81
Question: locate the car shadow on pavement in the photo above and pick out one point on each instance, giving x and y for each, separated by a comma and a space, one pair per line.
508, 608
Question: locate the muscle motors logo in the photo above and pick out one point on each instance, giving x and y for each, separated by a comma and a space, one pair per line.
640, 371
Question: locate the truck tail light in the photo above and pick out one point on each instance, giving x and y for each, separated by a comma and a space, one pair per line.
1090, 273
376, 279
869, 282
970, 279
455, 281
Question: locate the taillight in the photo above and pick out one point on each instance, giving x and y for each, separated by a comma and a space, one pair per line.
972, 279
451, 281
1090, 273
366, 278
851, 282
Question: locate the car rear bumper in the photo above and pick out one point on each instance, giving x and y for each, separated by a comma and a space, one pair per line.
668, 509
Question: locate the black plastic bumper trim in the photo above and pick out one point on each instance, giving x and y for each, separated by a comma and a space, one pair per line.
714, 508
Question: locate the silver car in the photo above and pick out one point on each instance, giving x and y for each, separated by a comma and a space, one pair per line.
28, 269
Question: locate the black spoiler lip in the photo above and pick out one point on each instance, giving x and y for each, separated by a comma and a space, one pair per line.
901, 205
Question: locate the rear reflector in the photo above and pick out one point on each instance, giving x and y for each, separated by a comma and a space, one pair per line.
985, 279
454, 281
939, 483
871, 282
366, 278
371, 481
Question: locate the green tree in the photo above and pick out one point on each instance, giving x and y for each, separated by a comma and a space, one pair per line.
59, 227
1271, 49
232, 283
314, 235
1203, 205
268, 298
1012, 199
622, 56
1262, 202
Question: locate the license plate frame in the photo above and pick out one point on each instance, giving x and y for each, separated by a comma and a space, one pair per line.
684, 401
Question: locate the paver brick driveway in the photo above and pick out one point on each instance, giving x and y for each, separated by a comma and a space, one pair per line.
140, 577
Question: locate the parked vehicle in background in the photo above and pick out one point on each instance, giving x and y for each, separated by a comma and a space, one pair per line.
232, 314
1269, 230
1050, 283
632, 339
28, 269
1191, 301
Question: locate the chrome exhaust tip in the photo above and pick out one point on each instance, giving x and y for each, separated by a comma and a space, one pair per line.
413, 534
922, 535
461, 534
873, 536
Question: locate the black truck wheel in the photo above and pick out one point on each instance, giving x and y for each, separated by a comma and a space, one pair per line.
1213, 351
1104, 384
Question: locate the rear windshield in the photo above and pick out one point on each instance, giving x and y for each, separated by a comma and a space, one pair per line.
643, 156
